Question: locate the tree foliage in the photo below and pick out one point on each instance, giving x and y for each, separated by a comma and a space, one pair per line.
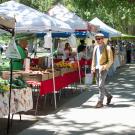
116, 13
119, 14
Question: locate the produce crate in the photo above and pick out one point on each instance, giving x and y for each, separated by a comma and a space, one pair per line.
41, 61
45, 76
71, 70
6, 74
32, 77
56, 73
64, 70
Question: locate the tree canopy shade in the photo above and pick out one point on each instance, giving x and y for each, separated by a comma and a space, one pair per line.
119, 14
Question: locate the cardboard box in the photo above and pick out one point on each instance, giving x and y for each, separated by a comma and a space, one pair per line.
32, 77
6, 74
45, 76
71, 69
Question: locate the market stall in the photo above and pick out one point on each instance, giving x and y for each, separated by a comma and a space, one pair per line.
83, 30
31, 20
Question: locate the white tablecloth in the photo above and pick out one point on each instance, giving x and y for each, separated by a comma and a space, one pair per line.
21, 100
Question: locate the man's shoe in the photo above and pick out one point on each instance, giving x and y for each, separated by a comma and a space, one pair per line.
99, 104
109, 100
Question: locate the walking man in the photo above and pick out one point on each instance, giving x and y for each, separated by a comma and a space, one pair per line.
102, 59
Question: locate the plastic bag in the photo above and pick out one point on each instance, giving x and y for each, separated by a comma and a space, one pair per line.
48, 40
89, 78
12, 51
72, 41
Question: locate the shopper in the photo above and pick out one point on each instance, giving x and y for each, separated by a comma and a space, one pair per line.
128, 49
81, 46
82, 53
1, 50
101, 61
90, 49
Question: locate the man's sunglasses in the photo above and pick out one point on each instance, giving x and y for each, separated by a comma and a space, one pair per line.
99, 38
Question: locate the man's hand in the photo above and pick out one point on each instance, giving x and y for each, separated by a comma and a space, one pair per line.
101, 68
93, 70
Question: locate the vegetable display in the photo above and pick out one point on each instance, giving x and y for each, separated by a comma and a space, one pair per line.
17, 83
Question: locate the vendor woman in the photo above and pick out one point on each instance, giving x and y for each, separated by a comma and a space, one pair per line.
18, 63
67, 50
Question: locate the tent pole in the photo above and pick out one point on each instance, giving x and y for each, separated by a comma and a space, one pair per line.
79, 68
35, 46
54, 88
11, 75
86, 59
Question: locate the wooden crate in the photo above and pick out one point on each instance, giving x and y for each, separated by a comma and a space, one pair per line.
32, 77
45, 76
6, 74
56, 73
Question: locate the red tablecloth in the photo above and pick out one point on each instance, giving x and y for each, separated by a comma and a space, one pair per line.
60, 82
85, 62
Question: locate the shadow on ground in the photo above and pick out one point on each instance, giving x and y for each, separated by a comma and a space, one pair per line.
121, 85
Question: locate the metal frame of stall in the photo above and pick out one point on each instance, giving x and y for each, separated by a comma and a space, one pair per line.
12, 31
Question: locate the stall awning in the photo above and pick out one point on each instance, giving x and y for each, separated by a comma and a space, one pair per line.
29, 20
105, 28
62, 13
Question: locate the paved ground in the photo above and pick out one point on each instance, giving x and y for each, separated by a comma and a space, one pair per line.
79, 117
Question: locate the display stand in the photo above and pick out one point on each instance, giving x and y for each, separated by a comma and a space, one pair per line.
73, 42
54, 88
49, 44
11, 75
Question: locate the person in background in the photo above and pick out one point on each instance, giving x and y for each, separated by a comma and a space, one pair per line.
92, 46
82, 54
1, 50
90, 49
67, 50
101, 61
128, 51
81, 46
18, 63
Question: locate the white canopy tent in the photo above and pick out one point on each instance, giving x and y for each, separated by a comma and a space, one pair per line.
105, 28
62, 13
28, 19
